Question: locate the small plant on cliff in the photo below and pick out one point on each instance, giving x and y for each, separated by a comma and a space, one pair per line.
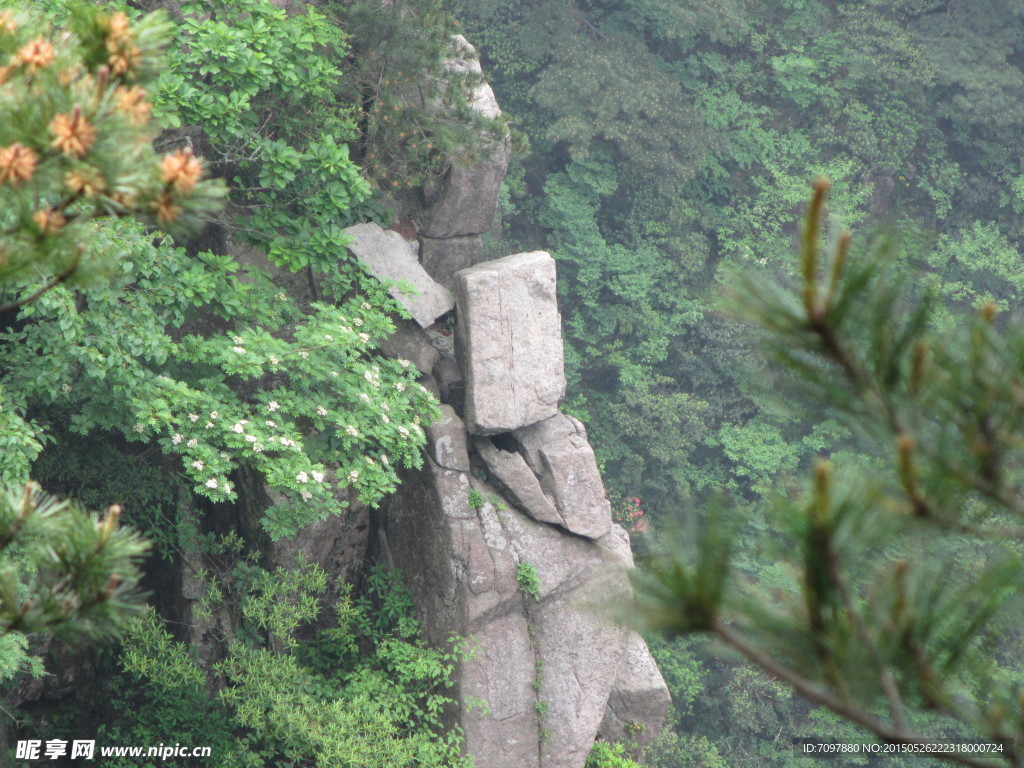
475, 499
605, 755
528, 579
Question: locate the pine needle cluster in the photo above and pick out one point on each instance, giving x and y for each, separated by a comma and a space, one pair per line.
76, 142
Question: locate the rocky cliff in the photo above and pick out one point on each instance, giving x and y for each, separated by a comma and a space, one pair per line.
506, 534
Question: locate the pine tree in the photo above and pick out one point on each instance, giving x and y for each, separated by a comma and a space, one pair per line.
75, 149
906, 579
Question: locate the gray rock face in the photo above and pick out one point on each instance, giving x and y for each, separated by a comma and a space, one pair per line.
389, 258
558, 453
545, 675
411, 342
468, 195
510, 333
447, 440
510, 473
555, 654
639, 696
443, 258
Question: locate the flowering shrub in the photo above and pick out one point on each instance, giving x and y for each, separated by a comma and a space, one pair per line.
631, 516
181, 352
313, 410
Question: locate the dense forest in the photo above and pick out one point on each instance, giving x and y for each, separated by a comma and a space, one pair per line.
672, 146
664, 153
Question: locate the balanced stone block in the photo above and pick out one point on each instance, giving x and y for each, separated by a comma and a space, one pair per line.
510, 334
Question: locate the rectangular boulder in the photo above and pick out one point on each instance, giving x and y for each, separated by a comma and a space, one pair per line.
510, 334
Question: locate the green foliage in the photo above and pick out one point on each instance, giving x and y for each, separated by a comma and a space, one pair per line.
319, 700
475, 499
605, 755
294, 392
263, 84
528, 579
285, 405
648, 236
910, 107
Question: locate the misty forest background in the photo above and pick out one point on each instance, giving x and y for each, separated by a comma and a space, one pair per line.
665, 151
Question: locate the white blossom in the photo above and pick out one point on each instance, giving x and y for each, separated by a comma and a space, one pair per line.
227, 487
384, 459
321, 411
404, 363
273, 360
403, 431
193, 417
65, 388
270, 423
384, 418
239, 428
304, 355
209, 425
334, 373
214, 414
353, 475
364, 397
318, 476
140, 428
192, 443
306, 495
302, 477
357, 322
251, 438
328, 337
211, 483
198, 464
238, 340
366, 306
352, 431
400, 386
273, 405
239, 350
177, 439
364, 337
